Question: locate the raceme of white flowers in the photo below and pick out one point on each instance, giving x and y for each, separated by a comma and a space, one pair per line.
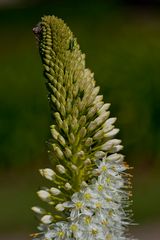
89, 189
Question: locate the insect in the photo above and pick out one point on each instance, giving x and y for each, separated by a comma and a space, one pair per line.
72, 44
37, 31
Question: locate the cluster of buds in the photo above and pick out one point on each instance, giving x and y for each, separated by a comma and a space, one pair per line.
89, 194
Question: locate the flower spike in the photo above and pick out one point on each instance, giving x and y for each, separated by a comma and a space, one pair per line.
89, 195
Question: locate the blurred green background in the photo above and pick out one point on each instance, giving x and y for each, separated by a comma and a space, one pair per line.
122, 46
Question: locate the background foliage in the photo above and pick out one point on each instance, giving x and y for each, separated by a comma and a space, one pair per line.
122, 46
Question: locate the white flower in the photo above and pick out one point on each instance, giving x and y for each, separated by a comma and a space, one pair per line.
49, 235
89, 230
60, 231
95, 211
74, 227
77, 206
89, 197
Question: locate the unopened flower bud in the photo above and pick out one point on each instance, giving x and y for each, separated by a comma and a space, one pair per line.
107, 146
114, 157
54, 132
80, 154
60, 169
59, 207
84, 184
82, 132
104, 107
47, 173
112, 133
44, 195
46, 219
92, 126
67, 186
99, 154
82, 120
71, 138
87, 161
38, 210
110, 121
67, 152
58, 151
89, 142
55, 191
116, 149
74, 167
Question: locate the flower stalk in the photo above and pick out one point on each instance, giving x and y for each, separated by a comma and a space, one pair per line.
89, 193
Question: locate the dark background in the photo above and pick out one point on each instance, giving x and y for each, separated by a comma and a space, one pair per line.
121, 40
